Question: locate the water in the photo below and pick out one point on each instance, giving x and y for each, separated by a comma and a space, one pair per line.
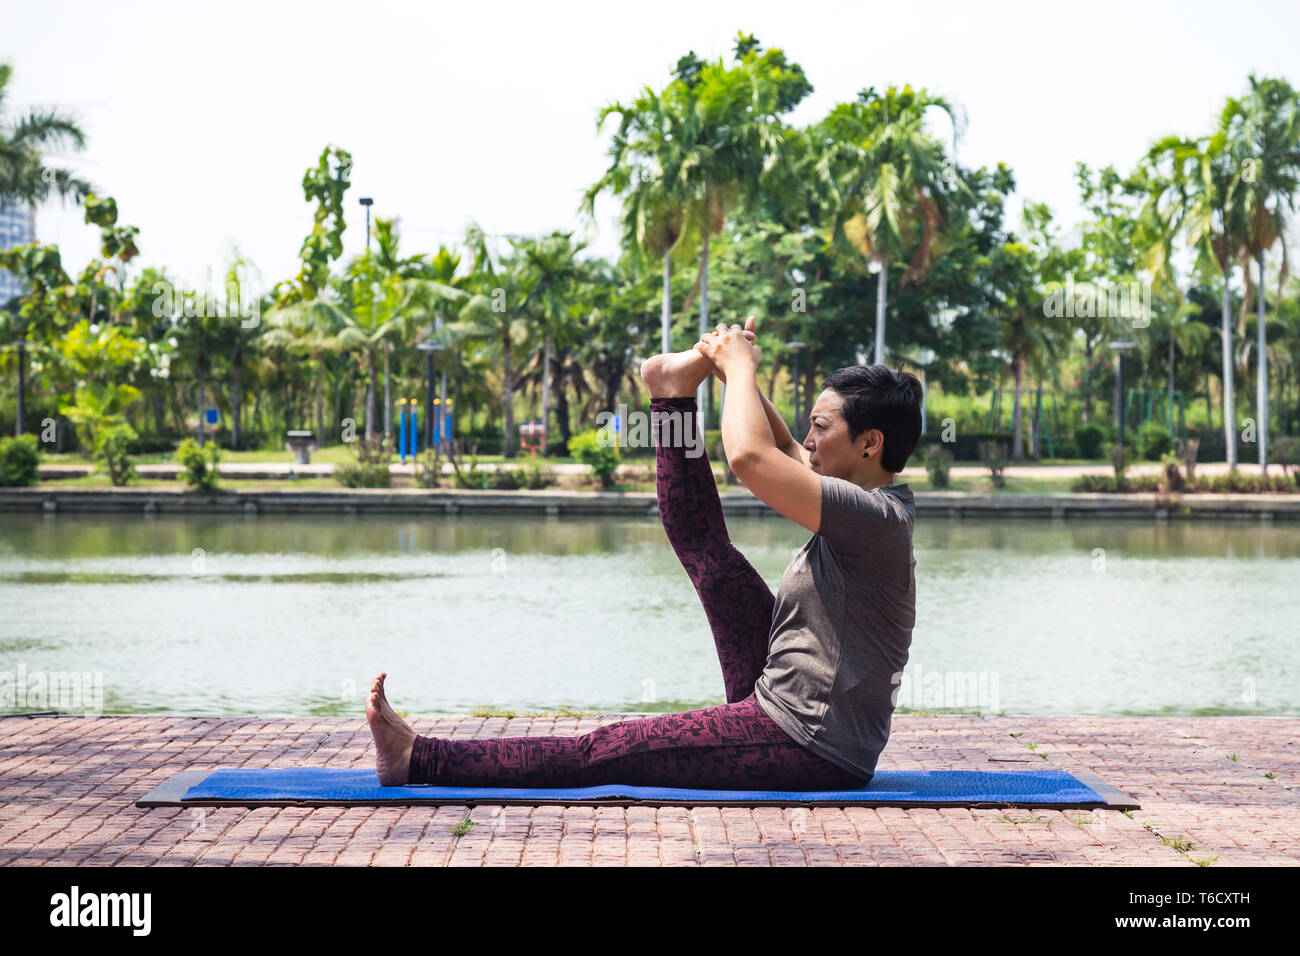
294, 615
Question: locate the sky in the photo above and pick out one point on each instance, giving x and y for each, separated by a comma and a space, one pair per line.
202, 117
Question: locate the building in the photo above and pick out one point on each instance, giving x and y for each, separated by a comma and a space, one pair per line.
17, 228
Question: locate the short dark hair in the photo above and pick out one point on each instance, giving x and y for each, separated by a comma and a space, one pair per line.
876, 396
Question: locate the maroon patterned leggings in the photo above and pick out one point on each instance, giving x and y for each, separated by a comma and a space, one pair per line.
733, 746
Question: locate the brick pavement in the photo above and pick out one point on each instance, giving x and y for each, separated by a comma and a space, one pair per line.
68, 786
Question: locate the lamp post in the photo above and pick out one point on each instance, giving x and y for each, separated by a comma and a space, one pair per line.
794, 346
428, 347
1120, 348
367, 202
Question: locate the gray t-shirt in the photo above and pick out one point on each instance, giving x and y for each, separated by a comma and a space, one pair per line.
842, 626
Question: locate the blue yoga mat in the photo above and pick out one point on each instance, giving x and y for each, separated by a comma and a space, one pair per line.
326, 785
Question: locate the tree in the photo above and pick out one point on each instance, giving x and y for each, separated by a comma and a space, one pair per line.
647, 154
1262, 133
551, 271
25, 179
1189, 192
1018, 270
890, 183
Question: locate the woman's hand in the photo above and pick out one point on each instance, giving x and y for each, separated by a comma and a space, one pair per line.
730, 348
750, 334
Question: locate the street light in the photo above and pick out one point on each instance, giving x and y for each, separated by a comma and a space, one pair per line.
367, 202
428, 347
795, 346
1120, 348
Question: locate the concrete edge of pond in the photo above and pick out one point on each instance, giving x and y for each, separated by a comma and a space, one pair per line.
957, 504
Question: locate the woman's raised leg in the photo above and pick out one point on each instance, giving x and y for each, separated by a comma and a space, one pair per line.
737, 601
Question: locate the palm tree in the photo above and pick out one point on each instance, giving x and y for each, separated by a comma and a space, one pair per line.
309, 328
41, 311
1162, 177
1262, 132
1189, 192
1016, 271
493, 312
551, 270
200, 339
25, 180
732, 116
889, 182
647, 154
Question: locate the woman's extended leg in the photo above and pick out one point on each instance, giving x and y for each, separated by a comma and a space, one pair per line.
730, 747
737, 602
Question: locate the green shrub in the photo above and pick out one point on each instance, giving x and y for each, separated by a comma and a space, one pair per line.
428, 469
1089, 439
19, 458
1287, 451
113, 447
603, 459
994, 456
1154, 440
370, 470
1119, 458
938, 460
1172, 473
200, 464
471, 476
965, 446
1093, 483
536, 476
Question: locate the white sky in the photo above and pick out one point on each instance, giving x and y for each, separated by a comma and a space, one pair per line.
202, 117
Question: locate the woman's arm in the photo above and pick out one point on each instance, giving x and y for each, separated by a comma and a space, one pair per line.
784, 440
780, 432
786, 485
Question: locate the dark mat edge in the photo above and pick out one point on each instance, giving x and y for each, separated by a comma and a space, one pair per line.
171, 792
1116, 799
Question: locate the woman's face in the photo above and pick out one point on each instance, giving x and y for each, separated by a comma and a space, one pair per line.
830, 451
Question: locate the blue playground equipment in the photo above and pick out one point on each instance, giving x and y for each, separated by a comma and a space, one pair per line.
1151, 405
408, 425
1044, 421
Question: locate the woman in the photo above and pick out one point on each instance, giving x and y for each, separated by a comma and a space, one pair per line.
809, 672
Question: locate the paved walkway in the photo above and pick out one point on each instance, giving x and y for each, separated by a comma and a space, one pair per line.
67, 787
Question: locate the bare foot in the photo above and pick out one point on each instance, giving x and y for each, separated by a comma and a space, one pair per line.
394, 737
679, 374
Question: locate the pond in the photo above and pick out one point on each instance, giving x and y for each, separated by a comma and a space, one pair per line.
293, 615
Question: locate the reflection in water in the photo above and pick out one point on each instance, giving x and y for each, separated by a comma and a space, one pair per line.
295, 614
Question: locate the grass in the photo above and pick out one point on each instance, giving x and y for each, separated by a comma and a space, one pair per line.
510, 714
1032, 818
1177, 843
641, 480
1014, 485
100, 480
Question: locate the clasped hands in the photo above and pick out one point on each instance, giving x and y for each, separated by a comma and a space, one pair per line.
731, 347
